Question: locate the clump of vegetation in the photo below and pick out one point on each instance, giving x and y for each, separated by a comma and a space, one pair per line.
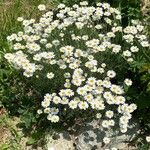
77, 58
73, 52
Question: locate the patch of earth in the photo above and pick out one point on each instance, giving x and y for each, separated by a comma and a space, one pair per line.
4, 134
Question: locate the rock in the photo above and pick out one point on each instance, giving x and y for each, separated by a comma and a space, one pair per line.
62, 141
91, 137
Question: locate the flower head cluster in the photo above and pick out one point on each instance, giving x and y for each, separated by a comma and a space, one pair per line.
75, 42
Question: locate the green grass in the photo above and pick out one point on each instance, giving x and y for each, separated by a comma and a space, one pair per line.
10, 10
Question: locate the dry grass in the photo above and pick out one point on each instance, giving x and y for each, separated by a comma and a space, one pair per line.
4, 131
145, 8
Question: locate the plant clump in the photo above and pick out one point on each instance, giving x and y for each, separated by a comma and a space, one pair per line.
78, 52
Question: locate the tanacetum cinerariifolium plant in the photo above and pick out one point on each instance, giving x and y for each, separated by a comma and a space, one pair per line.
78, 50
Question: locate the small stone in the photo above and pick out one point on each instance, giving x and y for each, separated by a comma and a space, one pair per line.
62, 142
